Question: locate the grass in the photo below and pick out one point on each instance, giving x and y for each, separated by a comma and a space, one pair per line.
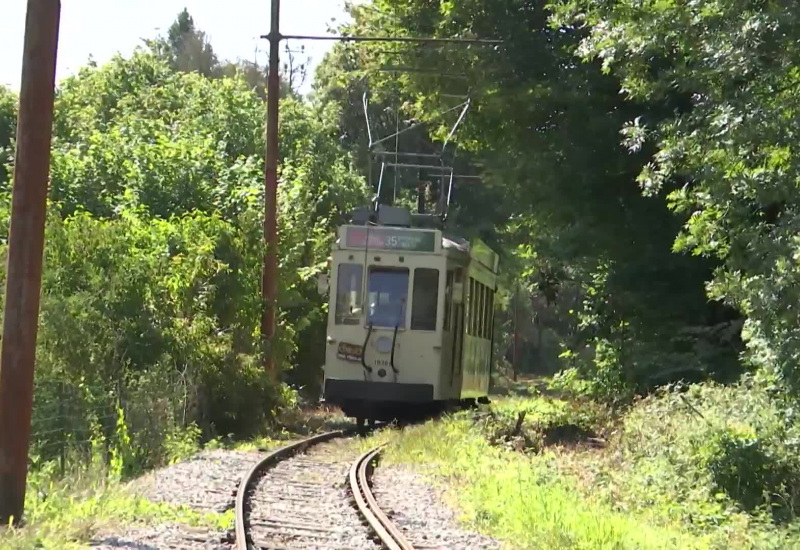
646, 481
670, 472
518, 498
67, 514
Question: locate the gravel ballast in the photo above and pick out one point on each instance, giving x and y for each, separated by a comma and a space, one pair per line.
418, 509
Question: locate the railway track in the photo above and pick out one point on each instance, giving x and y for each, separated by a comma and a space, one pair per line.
293, 499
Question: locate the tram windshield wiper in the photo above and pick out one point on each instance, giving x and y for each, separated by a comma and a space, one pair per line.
391, 358
364, 351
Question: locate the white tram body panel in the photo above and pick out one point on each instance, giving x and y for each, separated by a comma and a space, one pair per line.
410, 319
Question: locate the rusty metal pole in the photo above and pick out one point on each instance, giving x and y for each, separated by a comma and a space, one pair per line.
25, 248
269, 280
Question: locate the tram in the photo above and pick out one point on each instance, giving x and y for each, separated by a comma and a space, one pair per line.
410, 317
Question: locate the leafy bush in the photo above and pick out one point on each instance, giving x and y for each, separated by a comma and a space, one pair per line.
129, 317
530, 425
707, 452
517, 497
751, 471
150, 309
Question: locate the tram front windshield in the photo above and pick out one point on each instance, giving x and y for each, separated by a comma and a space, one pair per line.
388, 296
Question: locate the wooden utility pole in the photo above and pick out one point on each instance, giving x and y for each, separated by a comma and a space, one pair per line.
25, 249
269, 280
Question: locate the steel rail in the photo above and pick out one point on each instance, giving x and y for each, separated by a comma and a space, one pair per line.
387, 531
251, 476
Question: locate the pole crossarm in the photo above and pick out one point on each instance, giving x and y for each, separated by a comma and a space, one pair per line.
431, 167
402, 39
405, 154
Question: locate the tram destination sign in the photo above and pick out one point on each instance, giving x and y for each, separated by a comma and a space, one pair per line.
385, 238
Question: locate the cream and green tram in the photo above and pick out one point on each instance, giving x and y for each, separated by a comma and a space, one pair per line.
410, 321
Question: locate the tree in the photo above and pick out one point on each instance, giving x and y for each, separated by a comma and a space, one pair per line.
151, 295
8, 131
186, 48
724, 154
562, 190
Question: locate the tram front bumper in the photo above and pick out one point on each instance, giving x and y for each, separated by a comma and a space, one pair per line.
340, 391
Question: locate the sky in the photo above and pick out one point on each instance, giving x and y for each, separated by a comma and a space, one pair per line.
101, 28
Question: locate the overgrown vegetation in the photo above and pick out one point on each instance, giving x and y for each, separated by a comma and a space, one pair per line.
640, 179
695, 467
149, 326
66, 511
590, 257
519, 498
92, 497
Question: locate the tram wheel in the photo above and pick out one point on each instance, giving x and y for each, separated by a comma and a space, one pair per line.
360, 424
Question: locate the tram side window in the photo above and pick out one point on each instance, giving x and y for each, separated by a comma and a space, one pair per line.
348, 294
448, 300
473, 305
490, 316
484, 311
424, 309
476, 330
479, 313
471, 312
487, 295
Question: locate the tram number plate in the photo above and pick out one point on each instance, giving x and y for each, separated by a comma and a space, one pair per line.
349, 352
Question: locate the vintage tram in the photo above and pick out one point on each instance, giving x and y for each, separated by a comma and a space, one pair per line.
410, 318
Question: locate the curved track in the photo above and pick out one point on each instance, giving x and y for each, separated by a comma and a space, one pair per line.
358, 480
251, 477
387, 531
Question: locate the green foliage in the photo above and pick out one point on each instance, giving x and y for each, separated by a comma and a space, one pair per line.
130, 312
135, 133
706, 453
149, 327
752, 472
181, 444
122, 458
8, 132
724, 151
518, 499
594, 255
186, 48
531, 425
